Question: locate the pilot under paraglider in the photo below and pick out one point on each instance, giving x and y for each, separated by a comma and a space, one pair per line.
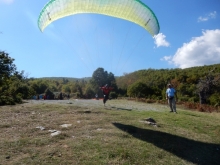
106, 90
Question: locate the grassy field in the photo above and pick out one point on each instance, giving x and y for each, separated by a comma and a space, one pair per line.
112, 135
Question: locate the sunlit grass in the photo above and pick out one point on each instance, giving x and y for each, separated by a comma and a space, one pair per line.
115, 134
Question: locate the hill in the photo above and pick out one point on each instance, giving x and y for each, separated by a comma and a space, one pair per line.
160, 77
66, 78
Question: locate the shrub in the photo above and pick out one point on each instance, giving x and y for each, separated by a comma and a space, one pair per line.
193, 99
18, 98
215, 99
113, 95
7, 100
183, 98
49, 93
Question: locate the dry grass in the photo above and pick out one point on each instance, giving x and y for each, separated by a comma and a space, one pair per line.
106, 135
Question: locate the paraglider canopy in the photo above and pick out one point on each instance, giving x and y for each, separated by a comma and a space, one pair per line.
131, 10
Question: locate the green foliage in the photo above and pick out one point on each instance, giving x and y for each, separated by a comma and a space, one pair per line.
89, 92
113, 95
7, 68
18, 98
139, 90
215, 99
19, 86
49, 94
66, 88
39, 85
208, 85
101, 77
184, 80
13, 84
6, 100
122, 92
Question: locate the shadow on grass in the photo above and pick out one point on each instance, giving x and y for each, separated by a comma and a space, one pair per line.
119, 108
190, 150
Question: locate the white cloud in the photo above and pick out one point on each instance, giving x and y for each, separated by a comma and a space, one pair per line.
160, 40
209, 16
166, 58
7, 1
203, 50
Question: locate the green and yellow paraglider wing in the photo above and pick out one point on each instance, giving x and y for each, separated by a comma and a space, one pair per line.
131, 10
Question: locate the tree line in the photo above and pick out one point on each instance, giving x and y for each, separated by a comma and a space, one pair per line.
196, 84
15, 86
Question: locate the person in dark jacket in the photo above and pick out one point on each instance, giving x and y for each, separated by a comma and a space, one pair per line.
106, 90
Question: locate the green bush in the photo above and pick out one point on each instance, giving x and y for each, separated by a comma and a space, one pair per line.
193, 99
49, 93
113, 95
6, 100
215, 99
183, 98
18, 98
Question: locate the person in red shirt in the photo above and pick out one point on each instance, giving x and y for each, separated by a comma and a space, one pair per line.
106, 90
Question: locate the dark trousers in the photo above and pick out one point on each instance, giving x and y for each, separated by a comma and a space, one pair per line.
172, 104
105, 98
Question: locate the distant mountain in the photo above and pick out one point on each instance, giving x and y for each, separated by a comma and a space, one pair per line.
67, 78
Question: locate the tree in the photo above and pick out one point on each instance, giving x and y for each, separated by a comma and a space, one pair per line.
100, 77
66, 88
207, 86
7, 68
19, 87
140, 90
39, 85
89, 93
13, 84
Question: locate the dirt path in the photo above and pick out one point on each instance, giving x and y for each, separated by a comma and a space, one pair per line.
116, 104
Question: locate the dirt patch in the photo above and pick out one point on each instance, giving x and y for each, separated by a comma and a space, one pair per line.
111, 104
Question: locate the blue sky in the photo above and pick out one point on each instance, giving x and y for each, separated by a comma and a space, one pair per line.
76, 46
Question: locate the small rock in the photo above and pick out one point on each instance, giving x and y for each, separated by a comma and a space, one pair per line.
55, 133
52, 130
41, 128
66, 125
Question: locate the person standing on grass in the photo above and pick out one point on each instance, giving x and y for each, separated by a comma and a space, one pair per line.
171, 97
96, 96
106, 90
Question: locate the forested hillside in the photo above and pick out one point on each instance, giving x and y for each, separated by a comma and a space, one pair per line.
186, 82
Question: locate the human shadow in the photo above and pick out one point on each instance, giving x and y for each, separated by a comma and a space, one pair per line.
190, 150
